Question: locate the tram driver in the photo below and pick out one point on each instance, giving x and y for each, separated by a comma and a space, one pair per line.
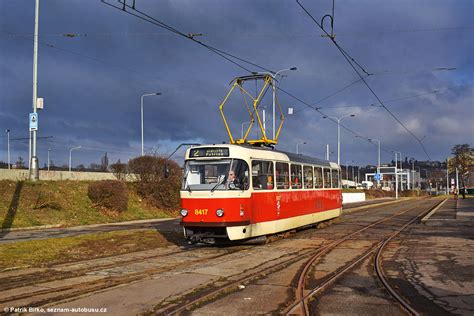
232, 180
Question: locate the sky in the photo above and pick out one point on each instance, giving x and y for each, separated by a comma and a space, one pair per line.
95, 62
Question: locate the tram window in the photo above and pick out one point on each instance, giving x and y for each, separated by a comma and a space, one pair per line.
327, 177
224, 174
335, 178
282, 175
318, 177
262, 175
308, 177
296, 177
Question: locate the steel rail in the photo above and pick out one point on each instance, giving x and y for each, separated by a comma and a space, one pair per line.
232, 285
300, 301
379, 268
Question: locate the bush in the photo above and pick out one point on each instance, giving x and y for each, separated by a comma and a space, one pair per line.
158, 180
109, 194
120, 170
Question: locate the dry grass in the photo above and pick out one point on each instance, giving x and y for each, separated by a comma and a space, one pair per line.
46, 252
64, 203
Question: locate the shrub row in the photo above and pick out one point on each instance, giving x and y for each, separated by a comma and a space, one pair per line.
109, 194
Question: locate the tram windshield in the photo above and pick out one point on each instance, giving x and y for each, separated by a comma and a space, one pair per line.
210, 175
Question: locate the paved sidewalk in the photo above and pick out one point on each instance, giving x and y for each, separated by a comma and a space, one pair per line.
437, 260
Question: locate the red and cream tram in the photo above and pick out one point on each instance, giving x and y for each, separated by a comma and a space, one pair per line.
234, 192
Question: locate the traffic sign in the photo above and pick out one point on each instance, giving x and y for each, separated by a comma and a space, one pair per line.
377, 176
33, 122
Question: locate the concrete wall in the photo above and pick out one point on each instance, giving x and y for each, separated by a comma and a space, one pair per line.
352, 197
16, 175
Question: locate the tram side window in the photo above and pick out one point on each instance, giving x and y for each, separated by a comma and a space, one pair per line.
318, 177
262, 175
327, 178
335, 178
282, 175
296, 177
308, 177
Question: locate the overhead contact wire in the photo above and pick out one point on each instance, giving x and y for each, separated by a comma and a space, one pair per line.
349, 59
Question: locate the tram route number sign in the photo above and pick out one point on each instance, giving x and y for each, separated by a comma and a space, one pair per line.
208, 152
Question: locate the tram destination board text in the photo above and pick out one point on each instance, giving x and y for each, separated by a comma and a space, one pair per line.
209, 152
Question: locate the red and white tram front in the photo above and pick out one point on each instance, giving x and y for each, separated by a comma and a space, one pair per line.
233, 192
214, 193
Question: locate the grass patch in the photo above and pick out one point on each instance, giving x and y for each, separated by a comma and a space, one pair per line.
46, 252
64, 203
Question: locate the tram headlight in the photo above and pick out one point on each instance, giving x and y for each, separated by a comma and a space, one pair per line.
220, 212
184, 212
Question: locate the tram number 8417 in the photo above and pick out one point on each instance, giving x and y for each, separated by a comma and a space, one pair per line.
200, 211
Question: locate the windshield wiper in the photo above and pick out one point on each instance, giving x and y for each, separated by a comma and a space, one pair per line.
219, 183
186, 181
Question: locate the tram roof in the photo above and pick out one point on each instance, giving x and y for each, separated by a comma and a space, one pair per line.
306, 159
291, 156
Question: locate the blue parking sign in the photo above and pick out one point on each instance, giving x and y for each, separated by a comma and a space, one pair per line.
33, 122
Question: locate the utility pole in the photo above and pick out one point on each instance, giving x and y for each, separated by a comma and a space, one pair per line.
145, 95
8, 147
49, 149
447, 177
34, 171
297, 146
339, 119
274, 75
378, 161
396, 177
70, 156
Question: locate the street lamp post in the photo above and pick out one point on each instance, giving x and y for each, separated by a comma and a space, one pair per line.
8, 147
33, 163
49, 160
339, 119
378, 160
396, 176
274, 76
274, 96
297, 146
401, 168
347, 171
70, 155
145, 95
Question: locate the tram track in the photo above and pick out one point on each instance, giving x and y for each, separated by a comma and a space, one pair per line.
188, 303
68, 292
301, 302
43, 297
61, 273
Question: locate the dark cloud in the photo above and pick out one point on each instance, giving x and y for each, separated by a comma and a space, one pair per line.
92, 83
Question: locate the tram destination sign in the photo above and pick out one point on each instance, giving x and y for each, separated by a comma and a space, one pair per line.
208, 152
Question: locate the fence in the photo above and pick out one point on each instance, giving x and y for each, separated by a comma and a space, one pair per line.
18, 175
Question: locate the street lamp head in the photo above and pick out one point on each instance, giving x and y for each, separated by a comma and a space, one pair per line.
158, 93
352, 115
7, 131
293, 68
325, 117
